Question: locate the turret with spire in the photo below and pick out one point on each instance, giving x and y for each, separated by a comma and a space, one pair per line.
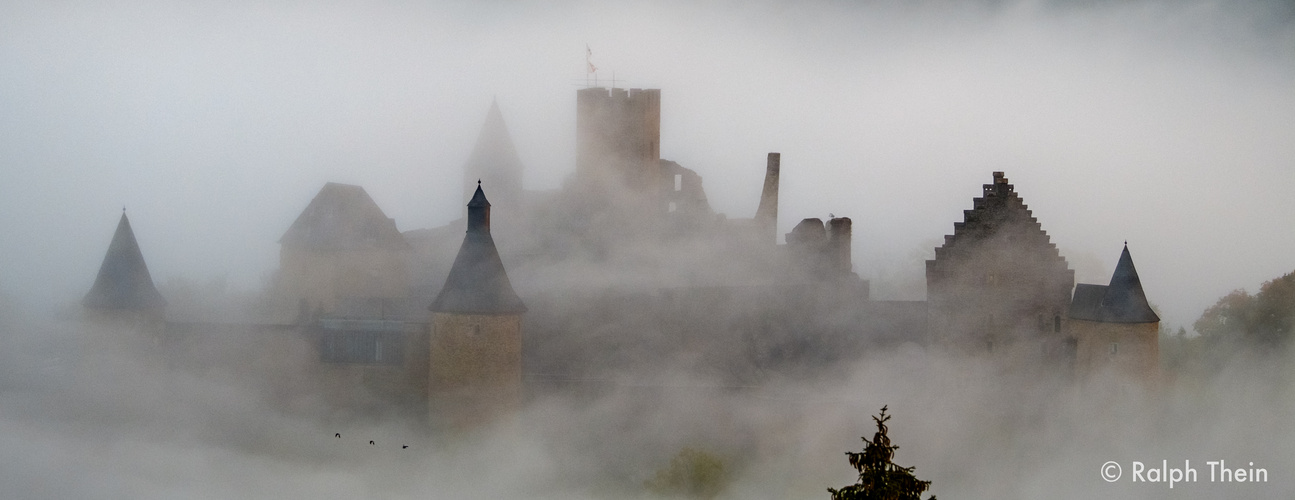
124, 287
476, 338
1114, 327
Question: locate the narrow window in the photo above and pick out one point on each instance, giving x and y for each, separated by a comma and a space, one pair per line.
673, 206
1056, 323
678, 182
1115, 347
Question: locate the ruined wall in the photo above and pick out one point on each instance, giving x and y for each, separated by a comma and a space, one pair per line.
1126, 349
475, 368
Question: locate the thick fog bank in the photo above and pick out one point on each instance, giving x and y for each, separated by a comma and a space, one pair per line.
85, 414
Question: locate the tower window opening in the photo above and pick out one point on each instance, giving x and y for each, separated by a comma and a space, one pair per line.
1115, 347
673, 206
1056, 323
678, 182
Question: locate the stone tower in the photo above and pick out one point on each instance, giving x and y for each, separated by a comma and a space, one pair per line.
1114, 327
998, 282
123, 294
618, 142
476, 343
494, 161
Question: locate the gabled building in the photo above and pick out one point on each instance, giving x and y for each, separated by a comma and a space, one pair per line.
123, 291
342, 248
1114, 327
998, 281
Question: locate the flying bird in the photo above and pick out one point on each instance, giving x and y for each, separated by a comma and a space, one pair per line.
370, 442
403, 447
338, 434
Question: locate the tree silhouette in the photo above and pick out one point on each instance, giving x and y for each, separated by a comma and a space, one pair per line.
879, 478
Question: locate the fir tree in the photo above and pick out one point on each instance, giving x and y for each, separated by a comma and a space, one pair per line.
879, 478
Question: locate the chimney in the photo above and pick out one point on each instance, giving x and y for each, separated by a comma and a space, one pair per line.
839, 235
766, 215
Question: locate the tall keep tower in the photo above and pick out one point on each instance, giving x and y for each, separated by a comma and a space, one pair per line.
476, 345
123, 292
998, 279
618, 140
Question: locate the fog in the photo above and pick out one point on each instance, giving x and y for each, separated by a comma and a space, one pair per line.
1164, 124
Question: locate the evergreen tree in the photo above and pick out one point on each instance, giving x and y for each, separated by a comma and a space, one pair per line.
879, 478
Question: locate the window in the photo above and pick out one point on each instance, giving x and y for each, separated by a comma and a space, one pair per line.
678, 182
362, 347
1056, 323
673, 207
1115, 347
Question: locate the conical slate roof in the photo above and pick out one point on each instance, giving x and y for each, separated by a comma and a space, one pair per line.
123, 281
343, 217
478, 283
494, 160
1122, 301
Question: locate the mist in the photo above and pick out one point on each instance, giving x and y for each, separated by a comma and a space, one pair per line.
1164, 124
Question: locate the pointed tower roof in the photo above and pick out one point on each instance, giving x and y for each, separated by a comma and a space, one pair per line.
123, 281
343, 217
1122, 301
494, 158
478, 283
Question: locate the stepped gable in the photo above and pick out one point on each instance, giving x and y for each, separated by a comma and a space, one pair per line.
123, 281
478, 283
999, 214
1122, 301
343, 217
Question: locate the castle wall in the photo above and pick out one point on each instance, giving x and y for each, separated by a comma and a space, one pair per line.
1127, 349
324, 278
475, 368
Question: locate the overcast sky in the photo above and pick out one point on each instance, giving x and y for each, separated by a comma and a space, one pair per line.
1171, 125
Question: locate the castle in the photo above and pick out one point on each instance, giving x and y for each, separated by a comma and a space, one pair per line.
627, 268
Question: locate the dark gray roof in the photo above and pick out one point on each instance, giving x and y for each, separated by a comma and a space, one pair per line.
123, 281
1087, 302
478, 283
1122, 301
343, 217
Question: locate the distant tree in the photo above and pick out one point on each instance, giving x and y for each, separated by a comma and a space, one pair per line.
1266, 318
1228, 316
691, 474
879, 478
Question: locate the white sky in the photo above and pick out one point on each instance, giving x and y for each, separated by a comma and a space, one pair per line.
1170, 125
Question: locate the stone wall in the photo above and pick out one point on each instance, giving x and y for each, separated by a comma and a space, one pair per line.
475, 368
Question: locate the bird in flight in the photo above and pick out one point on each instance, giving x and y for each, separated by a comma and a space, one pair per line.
370, 442
405, 446
338, 434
